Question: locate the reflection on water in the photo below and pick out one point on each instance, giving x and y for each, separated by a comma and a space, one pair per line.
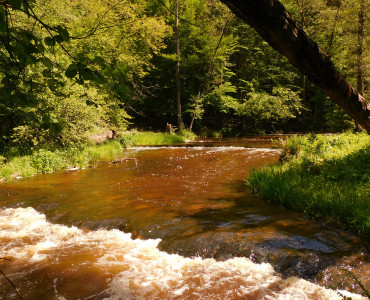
195, 201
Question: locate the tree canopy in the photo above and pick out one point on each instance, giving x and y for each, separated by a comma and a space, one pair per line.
275, 25
70, 69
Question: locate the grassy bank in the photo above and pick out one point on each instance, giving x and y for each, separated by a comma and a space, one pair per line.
13, 165
323, 176
151, 138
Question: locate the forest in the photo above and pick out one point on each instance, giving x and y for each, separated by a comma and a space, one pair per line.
196, 149
72, 69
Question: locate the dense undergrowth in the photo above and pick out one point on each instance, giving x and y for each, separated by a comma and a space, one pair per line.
323, 176
13, 164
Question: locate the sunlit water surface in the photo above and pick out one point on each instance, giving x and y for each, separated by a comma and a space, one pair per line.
175, 223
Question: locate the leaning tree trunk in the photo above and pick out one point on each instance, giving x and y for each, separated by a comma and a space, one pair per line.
274, 24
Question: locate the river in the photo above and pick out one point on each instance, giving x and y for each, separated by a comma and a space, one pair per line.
173, 222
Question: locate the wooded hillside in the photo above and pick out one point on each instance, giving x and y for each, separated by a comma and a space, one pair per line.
71, 69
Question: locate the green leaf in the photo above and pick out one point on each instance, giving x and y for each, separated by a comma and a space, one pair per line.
25, 7
90, 103
51, 84
49, 41
71, 70
3, 25
30, 60
47, 62
98, 60
27, 100
46, 119
31, 49
15, 3
54, 84
81, 56
97, 78
55, 127
47, 73
58, 39
63, 33
40, 48
80, 81
2, 11
86, 74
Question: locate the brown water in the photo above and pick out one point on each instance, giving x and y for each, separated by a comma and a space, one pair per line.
179, 222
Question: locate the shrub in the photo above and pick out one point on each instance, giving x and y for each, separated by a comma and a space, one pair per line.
153, 138
104, 151
323, 176
45, 161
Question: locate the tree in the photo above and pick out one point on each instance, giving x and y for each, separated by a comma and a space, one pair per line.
58, 83
261, 76
178, 58
360, 51
205, 49
270, 19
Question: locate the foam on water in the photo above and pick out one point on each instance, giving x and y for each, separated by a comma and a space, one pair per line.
138, 269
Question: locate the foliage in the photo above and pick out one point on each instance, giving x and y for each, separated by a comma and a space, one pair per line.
187, 135
279, 105
71, 68
152, 138
46, 161
17, 167
205, 50
13, 164
334, 25
59, 82
323, 176
104, 151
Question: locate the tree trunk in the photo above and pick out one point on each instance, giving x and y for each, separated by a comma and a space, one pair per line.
178, 87
360, 47
360, 53
195, 111
303, 21
274, 24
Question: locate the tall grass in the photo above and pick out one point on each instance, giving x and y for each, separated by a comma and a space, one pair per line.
153, 138
79, 156
323, 176
105, 151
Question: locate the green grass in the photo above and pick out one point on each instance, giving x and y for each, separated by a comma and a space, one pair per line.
152, 138
104, 151
45, 161
323, 176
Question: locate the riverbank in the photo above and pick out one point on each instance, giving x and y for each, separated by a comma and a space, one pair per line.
81, 156
323, 176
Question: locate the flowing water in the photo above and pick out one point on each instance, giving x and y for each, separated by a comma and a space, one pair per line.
172, 223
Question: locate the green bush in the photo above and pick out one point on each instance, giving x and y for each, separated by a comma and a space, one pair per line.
323, 176
78, 156
127, 140
187, 135
153, 138
104, 151
45, 161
